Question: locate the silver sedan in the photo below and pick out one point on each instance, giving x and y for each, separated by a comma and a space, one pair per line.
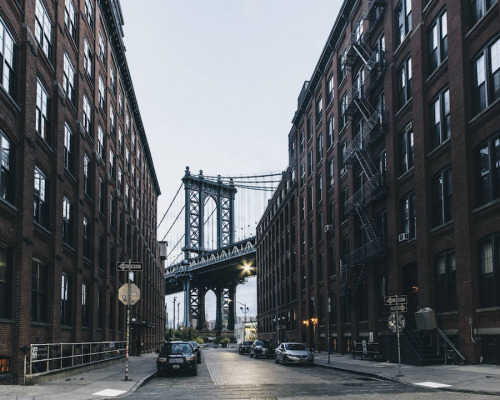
293, 353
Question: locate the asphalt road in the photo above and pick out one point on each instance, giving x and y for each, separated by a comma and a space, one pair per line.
224, 374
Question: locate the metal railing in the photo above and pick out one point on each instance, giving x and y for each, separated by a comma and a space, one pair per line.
45, 358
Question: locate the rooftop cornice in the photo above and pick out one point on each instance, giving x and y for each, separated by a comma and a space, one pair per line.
113, 18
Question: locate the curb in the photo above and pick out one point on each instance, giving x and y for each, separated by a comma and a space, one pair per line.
361, 373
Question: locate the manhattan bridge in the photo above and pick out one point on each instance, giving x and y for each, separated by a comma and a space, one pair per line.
210, 233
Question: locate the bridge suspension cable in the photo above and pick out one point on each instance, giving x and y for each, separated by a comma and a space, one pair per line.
168, 209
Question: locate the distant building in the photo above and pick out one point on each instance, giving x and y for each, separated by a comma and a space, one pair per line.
78, 188
245, 331
395, 154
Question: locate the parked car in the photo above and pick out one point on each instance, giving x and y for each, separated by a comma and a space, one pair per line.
261, 348
197, 351
176, 357
293, 353
244, 347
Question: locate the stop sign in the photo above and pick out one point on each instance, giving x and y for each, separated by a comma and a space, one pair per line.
135, 294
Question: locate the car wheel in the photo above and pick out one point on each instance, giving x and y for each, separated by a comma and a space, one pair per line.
285, 360
276, 359
198, 360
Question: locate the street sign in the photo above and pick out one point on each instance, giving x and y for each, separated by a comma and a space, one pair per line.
399, 307
392, 300
135, 294
129, 266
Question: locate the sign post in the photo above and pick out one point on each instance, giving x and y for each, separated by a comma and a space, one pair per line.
328, 326
398, 304
132, 296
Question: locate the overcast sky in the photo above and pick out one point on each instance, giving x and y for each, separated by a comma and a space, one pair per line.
217, 83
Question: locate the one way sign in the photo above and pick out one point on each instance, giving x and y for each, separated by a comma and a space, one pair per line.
129, 266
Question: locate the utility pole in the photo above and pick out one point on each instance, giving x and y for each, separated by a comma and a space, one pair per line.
178, 304
175, 298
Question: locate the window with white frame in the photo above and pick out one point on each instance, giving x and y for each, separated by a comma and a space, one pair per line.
478, 8
102, 93
302, 173
87, 57
486, 77
440, 118
43, 29
331, 176
343, 111
112, 121
68, 78
87, 115
489, 271
120, 103
85, 305
403, 20
442, 197
120, 180
41, 199
65, 300
7, 170
331, 130
68, 148
89, 13
120, 140
487, 171
42, 111
438, 41
319, 148
310, 162
302, 138
102, 48
112, 79
111, 164
87, 175
406, 155
70, 18
446, 282
67, 222
8, 52
408, 220
319, 110
404, 82
330, 90
100, 142
101, 196
86, 238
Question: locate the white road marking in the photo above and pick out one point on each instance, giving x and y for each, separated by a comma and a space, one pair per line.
109, 392
434, 385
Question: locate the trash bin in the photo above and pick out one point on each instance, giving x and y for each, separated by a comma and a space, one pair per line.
425, 319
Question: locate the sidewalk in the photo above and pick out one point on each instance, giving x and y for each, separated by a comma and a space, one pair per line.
103, 383
480, 379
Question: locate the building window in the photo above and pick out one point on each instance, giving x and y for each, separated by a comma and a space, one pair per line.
343, 158
345, 203
70, 18
65, 300
403, 20
69, 78
319, 110
101, 196
310, 162
39, 281
486, 77
87, 176
102, 94
320, 148
5, 283
302, 208
40, 203
68, 148
487, 171
446, 282
42, 111
438, 42
67, 222
43, 29
309, 127
100, 142
86, 238
342, 66
442, 198
331, 176
7, 177
8, 60
120, 140
478, 8
112, 121
302, 173
102, 49
111, 164
320, 187
331, 130
330, 92
440, 118
406, 155
404, 82
112, 212
383, 292
120, 104
87, 57
343, 111
120, 180
112, 79
89, 13
489, 271
87, 116
408, 217
302, 142
85, 305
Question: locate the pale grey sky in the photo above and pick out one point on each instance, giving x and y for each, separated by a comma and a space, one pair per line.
217, 83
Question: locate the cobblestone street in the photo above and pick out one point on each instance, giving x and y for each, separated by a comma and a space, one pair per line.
224, 374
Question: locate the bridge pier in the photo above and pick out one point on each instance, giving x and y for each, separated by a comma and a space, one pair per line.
219, 293
201, 322
232, 307
187, 302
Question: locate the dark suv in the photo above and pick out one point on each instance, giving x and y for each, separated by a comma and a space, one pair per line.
176, 356
262, 348
244, 347
197, 351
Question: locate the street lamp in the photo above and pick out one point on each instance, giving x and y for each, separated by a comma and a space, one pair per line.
175, 298
245, 309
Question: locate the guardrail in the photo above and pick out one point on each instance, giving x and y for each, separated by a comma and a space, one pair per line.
45, 358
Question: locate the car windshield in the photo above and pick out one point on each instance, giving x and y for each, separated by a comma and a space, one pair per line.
265, 343
195, 345
295, 346
247, 343
176, 348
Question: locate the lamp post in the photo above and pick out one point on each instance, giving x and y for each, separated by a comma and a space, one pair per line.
245, 309
175, 298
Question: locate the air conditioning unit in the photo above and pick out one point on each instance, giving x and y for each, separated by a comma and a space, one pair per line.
328, 228
403, 237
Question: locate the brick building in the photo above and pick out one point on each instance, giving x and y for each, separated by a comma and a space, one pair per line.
398, 174
78, 189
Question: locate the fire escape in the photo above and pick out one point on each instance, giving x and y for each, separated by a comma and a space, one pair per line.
368, 132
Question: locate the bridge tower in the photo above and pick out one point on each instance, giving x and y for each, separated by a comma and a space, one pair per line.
197, 191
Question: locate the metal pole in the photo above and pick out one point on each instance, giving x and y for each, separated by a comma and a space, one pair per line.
128, 321
277, 319
328, 328
175, 298
397, 333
